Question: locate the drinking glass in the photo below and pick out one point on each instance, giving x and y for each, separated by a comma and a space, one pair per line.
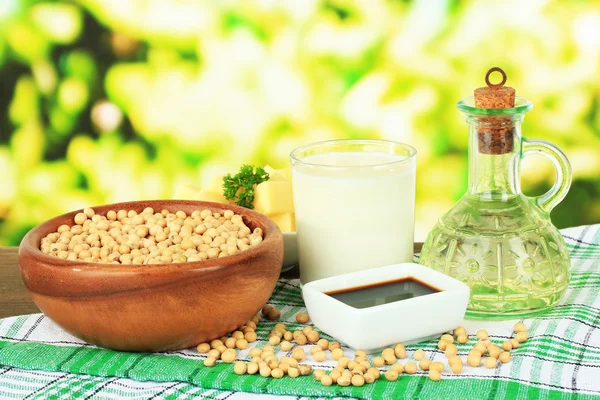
354, 203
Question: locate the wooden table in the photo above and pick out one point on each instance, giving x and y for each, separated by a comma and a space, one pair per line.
14, 299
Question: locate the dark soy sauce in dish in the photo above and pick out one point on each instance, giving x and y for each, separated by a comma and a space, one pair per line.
376, 294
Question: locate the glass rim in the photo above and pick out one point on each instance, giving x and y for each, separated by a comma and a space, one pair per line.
467, 105
411, 150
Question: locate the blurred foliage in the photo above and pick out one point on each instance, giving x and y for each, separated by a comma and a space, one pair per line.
112, 100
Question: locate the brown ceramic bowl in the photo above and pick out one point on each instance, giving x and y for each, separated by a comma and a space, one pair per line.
153, 307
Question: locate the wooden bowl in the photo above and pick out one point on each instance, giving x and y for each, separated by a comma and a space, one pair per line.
153, 307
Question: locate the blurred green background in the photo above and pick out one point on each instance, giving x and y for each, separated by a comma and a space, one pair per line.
113, 100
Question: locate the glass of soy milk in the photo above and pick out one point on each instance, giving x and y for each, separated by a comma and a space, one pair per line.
355, 205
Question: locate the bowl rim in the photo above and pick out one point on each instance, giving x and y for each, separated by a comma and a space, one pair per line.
30, 243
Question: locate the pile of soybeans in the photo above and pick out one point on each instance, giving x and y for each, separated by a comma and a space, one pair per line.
357, 370
126, 237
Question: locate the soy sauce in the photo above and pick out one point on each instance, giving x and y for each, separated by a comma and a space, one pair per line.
379, 293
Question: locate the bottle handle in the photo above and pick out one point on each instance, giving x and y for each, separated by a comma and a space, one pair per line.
561, 186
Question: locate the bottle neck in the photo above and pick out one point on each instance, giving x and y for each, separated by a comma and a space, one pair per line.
494, 154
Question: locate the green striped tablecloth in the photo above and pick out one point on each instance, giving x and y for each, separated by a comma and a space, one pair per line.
560, 360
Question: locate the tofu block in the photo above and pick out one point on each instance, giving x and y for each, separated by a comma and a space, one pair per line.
187, 192
274, 197
206, 195
216, 185
286, 172
286, 221
276, 174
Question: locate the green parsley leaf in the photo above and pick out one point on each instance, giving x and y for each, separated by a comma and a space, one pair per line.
240, 187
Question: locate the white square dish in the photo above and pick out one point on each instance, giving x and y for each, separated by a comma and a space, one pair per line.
404, 321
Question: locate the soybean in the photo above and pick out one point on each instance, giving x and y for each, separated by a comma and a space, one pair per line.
520, 327
390, 375
411, 368
521, 336
240, 368
435, 375
490, 362
302, 318
419, 355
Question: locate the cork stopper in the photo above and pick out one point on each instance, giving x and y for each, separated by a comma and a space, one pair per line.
495, 95
495, 132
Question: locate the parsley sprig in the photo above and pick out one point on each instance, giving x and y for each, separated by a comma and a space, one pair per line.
240, 187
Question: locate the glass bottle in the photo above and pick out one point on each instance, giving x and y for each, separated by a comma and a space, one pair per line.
497, 240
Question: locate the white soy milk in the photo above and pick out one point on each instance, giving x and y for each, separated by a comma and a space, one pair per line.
354, 211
